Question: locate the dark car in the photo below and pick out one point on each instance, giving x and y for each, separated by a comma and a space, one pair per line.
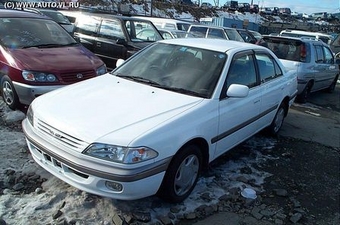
113, 37
54, 15
37, 56
247, 36
244, 7
231, 5
254, 8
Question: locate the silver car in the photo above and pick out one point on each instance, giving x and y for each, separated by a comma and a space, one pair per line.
314, 61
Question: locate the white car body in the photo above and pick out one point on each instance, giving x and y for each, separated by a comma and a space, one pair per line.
117, 111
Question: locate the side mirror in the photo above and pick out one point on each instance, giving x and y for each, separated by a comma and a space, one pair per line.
119, 62
238, 91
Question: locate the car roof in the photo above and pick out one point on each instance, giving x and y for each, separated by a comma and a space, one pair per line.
219, 45
111, 16
302, 39
12, 13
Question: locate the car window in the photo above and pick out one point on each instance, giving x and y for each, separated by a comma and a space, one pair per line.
199, 31
329, 59
111, 29
141, 31
19, 33
242, 71
87, 25
233, 35
268, 68
166, 35
216, 33
57, 16
319, 54
178, 68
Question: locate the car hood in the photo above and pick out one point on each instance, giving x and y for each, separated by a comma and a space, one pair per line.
51, 59
109, 105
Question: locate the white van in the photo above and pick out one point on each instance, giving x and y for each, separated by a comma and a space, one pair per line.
166, 23
307, 34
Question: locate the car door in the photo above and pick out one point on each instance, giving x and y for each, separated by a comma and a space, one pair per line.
326, 70
86, 28
272, 86
238, 117
109, 42
332, 69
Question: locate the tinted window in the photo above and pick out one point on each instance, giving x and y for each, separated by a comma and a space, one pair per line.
268, 68
242, 71
199, 31
215, 33
319, 54
141, 31
111, 29
328, 55
87, 25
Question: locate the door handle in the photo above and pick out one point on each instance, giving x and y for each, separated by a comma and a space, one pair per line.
256, 101
99, 44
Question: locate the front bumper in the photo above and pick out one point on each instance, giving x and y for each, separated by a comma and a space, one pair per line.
90, 176
27, 93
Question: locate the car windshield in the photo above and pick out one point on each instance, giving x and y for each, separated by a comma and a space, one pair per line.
57, 16
177, 68
31, 32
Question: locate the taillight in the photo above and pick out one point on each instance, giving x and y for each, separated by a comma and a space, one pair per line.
303, 52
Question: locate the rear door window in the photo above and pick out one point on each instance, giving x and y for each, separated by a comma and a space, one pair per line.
111, 29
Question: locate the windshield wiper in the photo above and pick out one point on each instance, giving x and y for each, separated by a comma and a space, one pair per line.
184, 91
43, 46
155, 84
139, 79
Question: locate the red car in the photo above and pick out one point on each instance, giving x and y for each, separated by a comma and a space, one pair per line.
37, 56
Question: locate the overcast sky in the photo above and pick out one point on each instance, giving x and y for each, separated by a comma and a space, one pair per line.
302, 6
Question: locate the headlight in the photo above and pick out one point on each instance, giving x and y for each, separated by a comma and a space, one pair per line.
30, 115
39, 76
101, 70
120, 154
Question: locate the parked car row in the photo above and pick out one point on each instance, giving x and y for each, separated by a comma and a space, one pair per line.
204, 96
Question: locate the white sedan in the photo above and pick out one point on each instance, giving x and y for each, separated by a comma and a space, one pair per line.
152, 124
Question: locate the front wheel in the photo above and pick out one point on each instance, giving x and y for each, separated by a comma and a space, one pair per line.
277, 122
9, 94
181, 175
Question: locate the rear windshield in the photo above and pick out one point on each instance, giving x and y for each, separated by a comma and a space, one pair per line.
289, 49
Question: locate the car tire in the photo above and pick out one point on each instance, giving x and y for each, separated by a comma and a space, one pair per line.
9, 94
303, 96
181, 175
331, 88
274, 128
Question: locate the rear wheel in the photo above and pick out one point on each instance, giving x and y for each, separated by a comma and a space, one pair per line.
8, 93
303, 96
181, 175
331, 88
